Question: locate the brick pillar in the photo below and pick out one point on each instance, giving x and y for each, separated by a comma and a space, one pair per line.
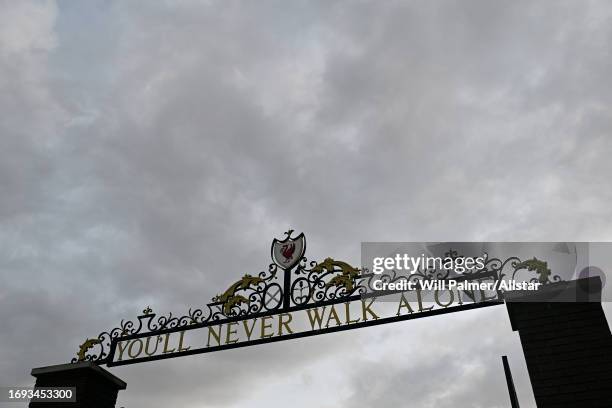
95, 387
567, 345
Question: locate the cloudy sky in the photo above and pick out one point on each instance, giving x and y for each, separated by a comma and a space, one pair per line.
150, 152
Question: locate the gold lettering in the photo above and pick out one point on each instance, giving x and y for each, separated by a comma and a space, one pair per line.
437, 298
180, 346
228, 336
248, 330
132, 345
470, 294
347, 309
420, 299
485, 298
403, 303
316, 318
265, 326
216, 335
459, 299
158, 340
365, 309
333, 314
166, 351
286, 324
121, 350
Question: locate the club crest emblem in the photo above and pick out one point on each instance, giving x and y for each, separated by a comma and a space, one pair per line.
288, 252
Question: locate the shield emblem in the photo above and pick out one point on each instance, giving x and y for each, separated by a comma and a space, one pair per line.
288, 252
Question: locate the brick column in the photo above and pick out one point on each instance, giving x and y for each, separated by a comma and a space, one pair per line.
95, 387
567, 345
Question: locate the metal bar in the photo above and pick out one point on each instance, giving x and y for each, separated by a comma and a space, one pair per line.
511, 390
287, 290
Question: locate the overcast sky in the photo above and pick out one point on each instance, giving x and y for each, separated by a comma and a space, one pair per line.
150, 152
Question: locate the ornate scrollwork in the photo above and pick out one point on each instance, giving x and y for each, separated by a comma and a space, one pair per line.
87, 344
230, 299
306, 283
540, 268
249, 295
327, 280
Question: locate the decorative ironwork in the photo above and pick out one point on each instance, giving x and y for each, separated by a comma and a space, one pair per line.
327, 280
306, 284
540, 267
231, 300
89, 343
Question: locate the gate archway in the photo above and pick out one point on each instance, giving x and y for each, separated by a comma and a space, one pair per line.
295, 298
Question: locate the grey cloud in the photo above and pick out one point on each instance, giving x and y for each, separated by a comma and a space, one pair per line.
151, 152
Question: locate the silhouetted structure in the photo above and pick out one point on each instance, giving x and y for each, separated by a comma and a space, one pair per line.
567, 345
95, 387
